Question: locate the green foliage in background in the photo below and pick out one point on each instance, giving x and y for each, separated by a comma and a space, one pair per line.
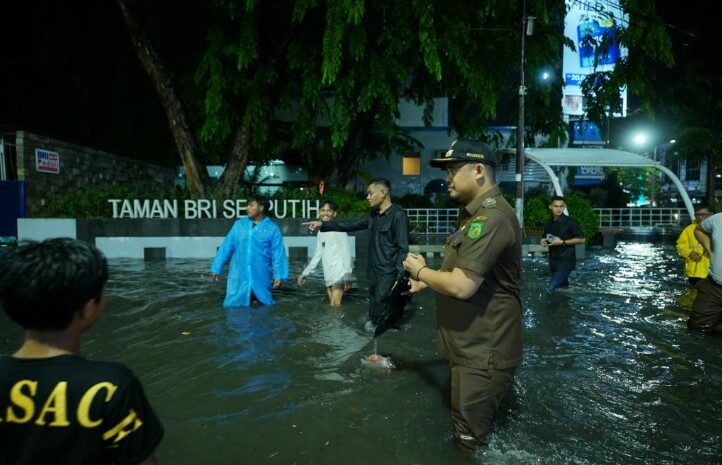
93, 202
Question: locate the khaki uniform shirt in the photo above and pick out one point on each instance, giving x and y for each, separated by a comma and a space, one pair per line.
484, 331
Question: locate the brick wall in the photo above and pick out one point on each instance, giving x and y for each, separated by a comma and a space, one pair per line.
80, 168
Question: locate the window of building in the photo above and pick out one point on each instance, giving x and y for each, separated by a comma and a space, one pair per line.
411, 165
692, 170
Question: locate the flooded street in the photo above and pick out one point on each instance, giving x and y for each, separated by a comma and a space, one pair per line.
611, 375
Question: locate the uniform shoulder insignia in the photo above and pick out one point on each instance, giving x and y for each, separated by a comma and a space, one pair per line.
488, 202
476, 227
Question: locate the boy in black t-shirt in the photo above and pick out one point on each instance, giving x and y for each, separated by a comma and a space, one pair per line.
55, 406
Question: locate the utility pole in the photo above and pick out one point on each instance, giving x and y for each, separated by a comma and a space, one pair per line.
527, 25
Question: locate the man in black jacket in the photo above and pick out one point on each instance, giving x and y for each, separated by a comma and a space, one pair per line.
388, 246
561, 235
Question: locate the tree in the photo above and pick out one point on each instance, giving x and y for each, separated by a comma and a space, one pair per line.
196, 175
323, 79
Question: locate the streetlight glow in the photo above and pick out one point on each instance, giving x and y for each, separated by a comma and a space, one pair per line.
640, 138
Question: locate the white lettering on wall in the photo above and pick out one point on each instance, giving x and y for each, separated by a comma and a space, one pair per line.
204, 208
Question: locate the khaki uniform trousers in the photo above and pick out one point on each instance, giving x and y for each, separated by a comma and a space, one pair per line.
475, 398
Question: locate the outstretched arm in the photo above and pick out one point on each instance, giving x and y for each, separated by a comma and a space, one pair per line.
350, 225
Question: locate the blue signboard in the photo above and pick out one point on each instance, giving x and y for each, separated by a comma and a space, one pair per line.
585, 133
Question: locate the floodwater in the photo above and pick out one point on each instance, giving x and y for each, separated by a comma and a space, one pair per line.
611, 374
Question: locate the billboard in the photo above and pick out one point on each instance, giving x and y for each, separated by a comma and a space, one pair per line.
585, 133
588, 24
47, 161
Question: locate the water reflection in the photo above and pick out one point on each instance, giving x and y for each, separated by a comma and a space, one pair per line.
611, 374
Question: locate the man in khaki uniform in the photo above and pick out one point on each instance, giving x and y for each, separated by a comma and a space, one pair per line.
478, 292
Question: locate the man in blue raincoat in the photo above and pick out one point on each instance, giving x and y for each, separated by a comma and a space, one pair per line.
258, 257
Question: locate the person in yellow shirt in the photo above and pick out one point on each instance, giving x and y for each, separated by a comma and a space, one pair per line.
696, 260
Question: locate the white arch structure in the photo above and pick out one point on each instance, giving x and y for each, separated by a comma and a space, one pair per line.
548, 157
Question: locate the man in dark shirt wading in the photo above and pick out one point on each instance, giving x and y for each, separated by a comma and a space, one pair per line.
388, 228
478, 293
562, 253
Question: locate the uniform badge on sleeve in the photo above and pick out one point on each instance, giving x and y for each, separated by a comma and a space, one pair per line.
476, 227
475, 230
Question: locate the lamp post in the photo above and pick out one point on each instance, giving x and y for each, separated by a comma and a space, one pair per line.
527, 28
642, 139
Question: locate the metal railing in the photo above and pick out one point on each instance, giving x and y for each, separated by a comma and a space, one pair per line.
441, 220
641, 217
432, 220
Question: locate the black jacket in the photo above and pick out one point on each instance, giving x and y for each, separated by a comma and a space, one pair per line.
388, 241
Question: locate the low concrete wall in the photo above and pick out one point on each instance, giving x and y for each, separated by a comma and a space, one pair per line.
168, 238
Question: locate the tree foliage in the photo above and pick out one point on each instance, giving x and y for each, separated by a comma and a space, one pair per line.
320, 82
324, 80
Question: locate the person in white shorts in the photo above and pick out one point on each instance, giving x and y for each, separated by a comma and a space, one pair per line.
332, 248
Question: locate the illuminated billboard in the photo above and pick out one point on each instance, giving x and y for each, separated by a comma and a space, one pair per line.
592, 26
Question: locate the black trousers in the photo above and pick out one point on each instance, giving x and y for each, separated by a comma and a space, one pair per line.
381, 303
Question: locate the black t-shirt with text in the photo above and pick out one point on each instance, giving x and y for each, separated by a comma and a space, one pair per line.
563, 257
69, 410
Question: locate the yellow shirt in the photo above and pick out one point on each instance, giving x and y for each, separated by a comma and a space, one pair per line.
686, 244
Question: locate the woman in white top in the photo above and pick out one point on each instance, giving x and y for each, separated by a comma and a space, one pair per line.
332, 248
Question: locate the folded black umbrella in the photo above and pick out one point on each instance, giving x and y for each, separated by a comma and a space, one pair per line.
395, 302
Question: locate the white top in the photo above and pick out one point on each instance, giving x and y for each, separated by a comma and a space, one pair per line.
333, 249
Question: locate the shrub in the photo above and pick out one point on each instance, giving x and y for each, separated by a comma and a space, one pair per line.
89, 203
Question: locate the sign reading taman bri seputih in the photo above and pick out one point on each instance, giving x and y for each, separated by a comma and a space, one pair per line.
203, 208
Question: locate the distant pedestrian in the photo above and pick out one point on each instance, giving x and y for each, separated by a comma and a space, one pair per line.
561, 235
696, 259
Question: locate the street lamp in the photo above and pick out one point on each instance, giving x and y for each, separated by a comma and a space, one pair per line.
642, 139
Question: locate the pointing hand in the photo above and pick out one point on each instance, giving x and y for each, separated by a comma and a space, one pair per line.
312, 225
